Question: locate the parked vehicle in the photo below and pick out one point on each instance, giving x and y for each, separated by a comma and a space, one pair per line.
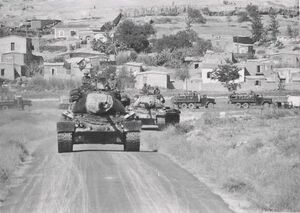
293, 101
193, 100
16, 102
97, 117
243, 100
150, 108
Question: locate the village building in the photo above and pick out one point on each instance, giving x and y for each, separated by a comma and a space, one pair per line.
153, 78
38, 24
72, 31
134, 67
56, 70
288, 75
16, 56
286, 59
242, 47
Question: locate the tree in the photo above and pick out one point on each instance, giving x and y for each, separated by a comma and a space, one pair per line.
181, 39
133, 35
243, 17
257, 27
195, 16
126, 79
200, 47
227, 74
183, 74
289, 31
274, 25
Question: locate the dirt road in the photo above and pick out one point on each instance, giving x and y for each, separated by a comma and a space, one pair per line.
93, 180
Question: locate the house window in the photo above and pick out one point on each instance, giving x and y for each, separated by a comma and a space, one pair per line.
196, 66
2, 72
61, 33
12, 46
144, 79
208, 75
257, 83
258, 68
52, 71
73, 33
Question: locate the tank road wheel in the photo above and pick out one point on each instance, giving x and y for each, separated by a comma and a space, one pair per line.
191, 106
132, 142
65, 143
184, 106
245, 105
238, 105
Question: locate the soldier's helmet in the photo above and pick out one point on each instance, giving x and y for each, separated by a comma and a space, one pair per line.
86, 72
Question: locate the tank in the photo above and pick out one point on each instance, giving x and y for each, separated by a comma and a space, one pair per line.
97, 117
152, 112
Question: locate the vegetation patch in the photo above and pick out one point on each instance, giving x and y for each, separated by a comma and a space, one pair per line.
256, 158
16, 133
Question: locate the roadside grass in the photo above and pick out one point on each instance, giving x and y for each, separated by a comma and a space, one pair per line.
257, 157
18, 129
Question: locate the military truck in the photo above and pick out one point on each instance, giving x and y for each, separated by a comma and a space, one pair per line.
244, 100
13, 102
97, 117
193, 100
152, 112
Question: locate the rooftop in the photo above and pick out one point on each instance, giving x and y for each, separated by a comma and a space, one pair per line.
135, 64
53, 63
72, 26
152, 72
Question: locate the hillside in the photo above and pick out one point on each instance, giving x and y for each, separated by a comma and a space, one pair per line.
13, 11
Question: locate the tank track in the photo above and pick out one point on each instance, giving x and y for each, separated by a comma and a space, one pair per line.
132, 142
65, 142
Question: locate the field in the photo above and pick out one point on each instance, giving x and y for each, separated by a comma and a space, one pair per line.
21, 133
252, 154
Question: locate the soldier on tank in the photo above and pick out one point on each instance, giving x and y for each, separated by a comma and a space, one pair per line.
86, 79
112, 83
156, 91
145, 89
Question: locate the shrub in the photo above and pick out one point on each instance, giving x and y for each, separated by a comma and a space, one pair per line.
181, 39
124, 57
38, 83
146, 59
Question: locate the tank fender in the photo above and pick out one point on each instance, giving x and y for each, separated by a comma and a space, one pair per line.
173, 111
65, 126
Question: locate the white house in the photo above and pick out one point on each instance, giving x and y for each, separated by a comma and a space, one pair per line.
152, 78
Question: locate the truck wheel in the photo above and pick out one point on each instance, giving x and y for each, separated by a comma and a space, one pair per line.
132, 142
191, 106
266, 105
184, 106
238, 105
209, 105
64, 142
4, 107
245, 105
